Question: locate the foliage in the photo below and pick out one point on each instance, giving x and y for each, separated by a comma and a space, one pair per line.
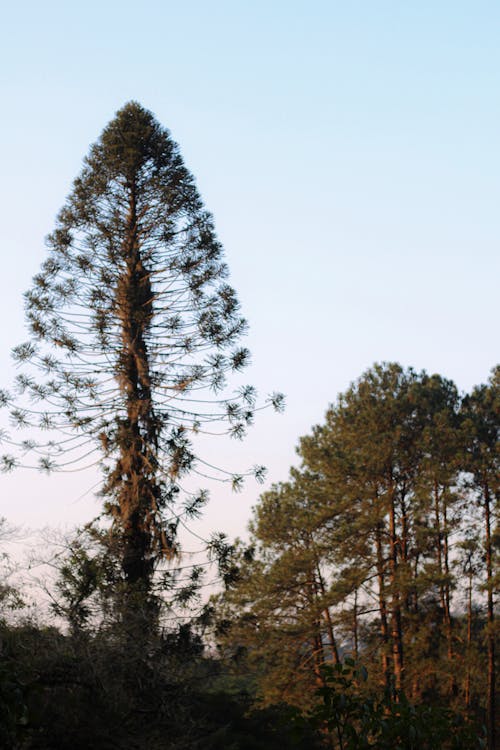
355, 721
369, 548
105, 692
13, 709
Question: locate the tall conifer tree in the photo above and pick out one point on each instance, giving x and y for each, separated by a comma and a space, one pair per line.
132, 321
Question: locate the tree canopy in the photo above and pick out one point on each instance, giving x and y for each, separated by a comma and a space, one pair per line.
368, 549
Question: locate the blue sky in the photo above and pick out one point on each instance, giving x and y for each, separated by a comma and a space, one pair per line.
348, 151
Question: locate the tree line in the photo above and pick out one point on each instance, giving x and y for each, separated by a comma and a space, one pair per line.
382, 546
341, 620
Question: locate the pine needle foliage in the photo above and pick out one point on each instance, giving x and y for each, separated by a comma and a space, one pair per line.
382, 546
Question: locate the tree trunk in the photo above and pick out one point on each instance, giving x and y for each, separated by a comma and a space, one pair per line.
318, 645
384, 629
448, 621
442, 559
328, 618
135, 473
396, 627
355, 626
469, 640
490, 621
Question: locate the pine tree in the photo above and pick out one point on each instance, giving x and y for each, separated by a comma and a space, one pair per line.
133, 329
277, 609
374, 427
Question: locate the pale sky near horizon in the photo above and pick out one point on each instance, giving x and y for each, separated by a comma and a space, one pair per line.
348, 151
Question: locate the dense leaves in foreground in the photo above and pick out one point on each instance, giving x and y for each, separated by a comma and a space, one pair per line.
68, 692
352, 720
62, 692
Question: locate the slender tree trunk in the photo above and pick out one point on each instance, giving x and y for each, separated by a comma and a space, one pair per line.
448, 620
469, 640
404, 550
328, 618
442, 559
416, 685
415, 601
396, 627
490, 621
331, 636
447, 595
355, 625
439, 546
384, 628
415, 574
317, 639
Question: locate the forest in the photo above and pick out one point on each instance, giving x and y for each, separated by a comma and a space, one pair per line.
360, 612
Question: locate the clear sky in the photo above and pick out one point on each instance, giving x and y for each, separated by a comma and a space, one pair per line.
349, 152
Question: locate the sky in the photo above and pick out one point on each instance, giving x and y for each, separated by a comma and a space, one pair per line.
349, 153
